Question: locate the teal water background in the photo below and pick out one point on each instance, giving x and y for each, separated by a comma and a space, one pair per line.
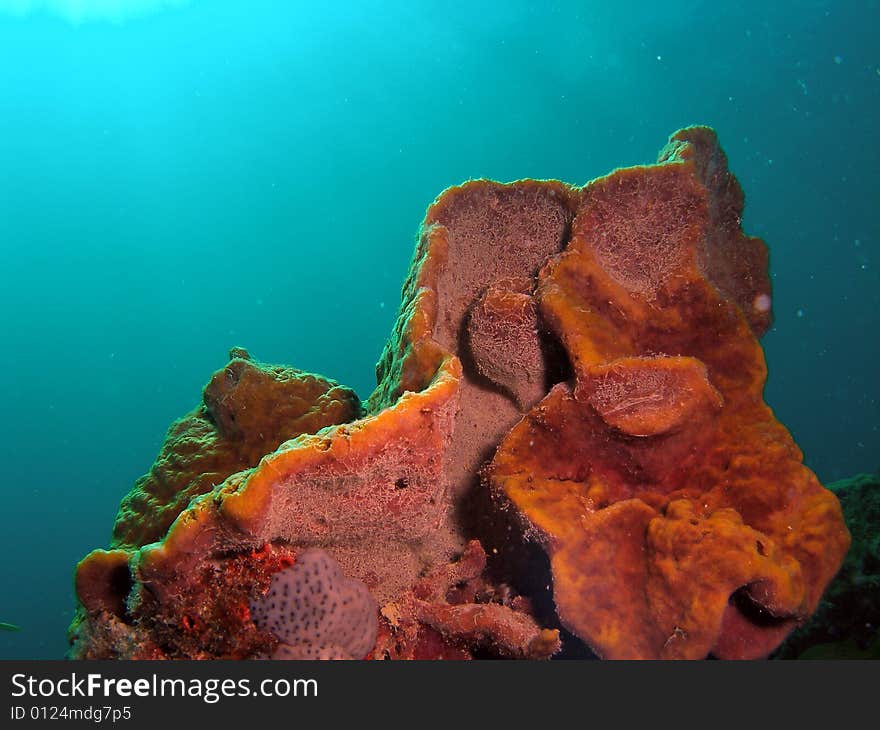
179, 178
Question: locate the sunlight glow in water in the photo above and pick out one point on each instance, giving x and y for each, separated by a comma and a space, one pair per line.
84, 11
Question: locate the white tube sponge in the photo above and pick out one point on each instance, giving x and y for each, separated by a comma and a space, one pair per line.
316, 611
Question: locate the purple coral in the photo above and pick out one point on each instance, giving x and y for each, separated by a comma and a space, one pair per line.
316, 611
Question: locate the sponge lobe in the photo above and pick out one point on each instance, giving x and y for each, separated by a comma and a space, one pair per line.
505, 343
316, 611
644, 224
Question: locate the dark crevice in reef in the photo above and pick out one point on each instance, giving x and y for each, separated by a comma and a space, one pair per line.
559, 369
753, 612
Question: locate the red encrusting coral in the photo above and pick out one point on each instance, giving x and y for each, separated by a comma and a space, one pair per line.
206, 616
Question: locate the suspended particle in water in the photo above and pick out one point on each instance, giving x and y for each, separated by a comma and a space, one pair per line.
762, 303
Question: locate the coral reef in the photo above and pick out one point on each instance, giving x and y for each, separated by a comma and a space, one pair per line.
575, 366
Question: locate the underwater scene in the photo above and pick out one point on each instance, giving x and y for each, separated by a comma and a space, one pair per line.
440, 330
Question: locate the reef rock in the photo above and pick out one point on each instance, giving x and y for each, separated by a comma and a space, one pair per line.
575, 366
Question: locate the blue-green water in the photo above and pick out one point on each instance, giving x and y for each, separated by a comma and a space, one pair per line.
180, 177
